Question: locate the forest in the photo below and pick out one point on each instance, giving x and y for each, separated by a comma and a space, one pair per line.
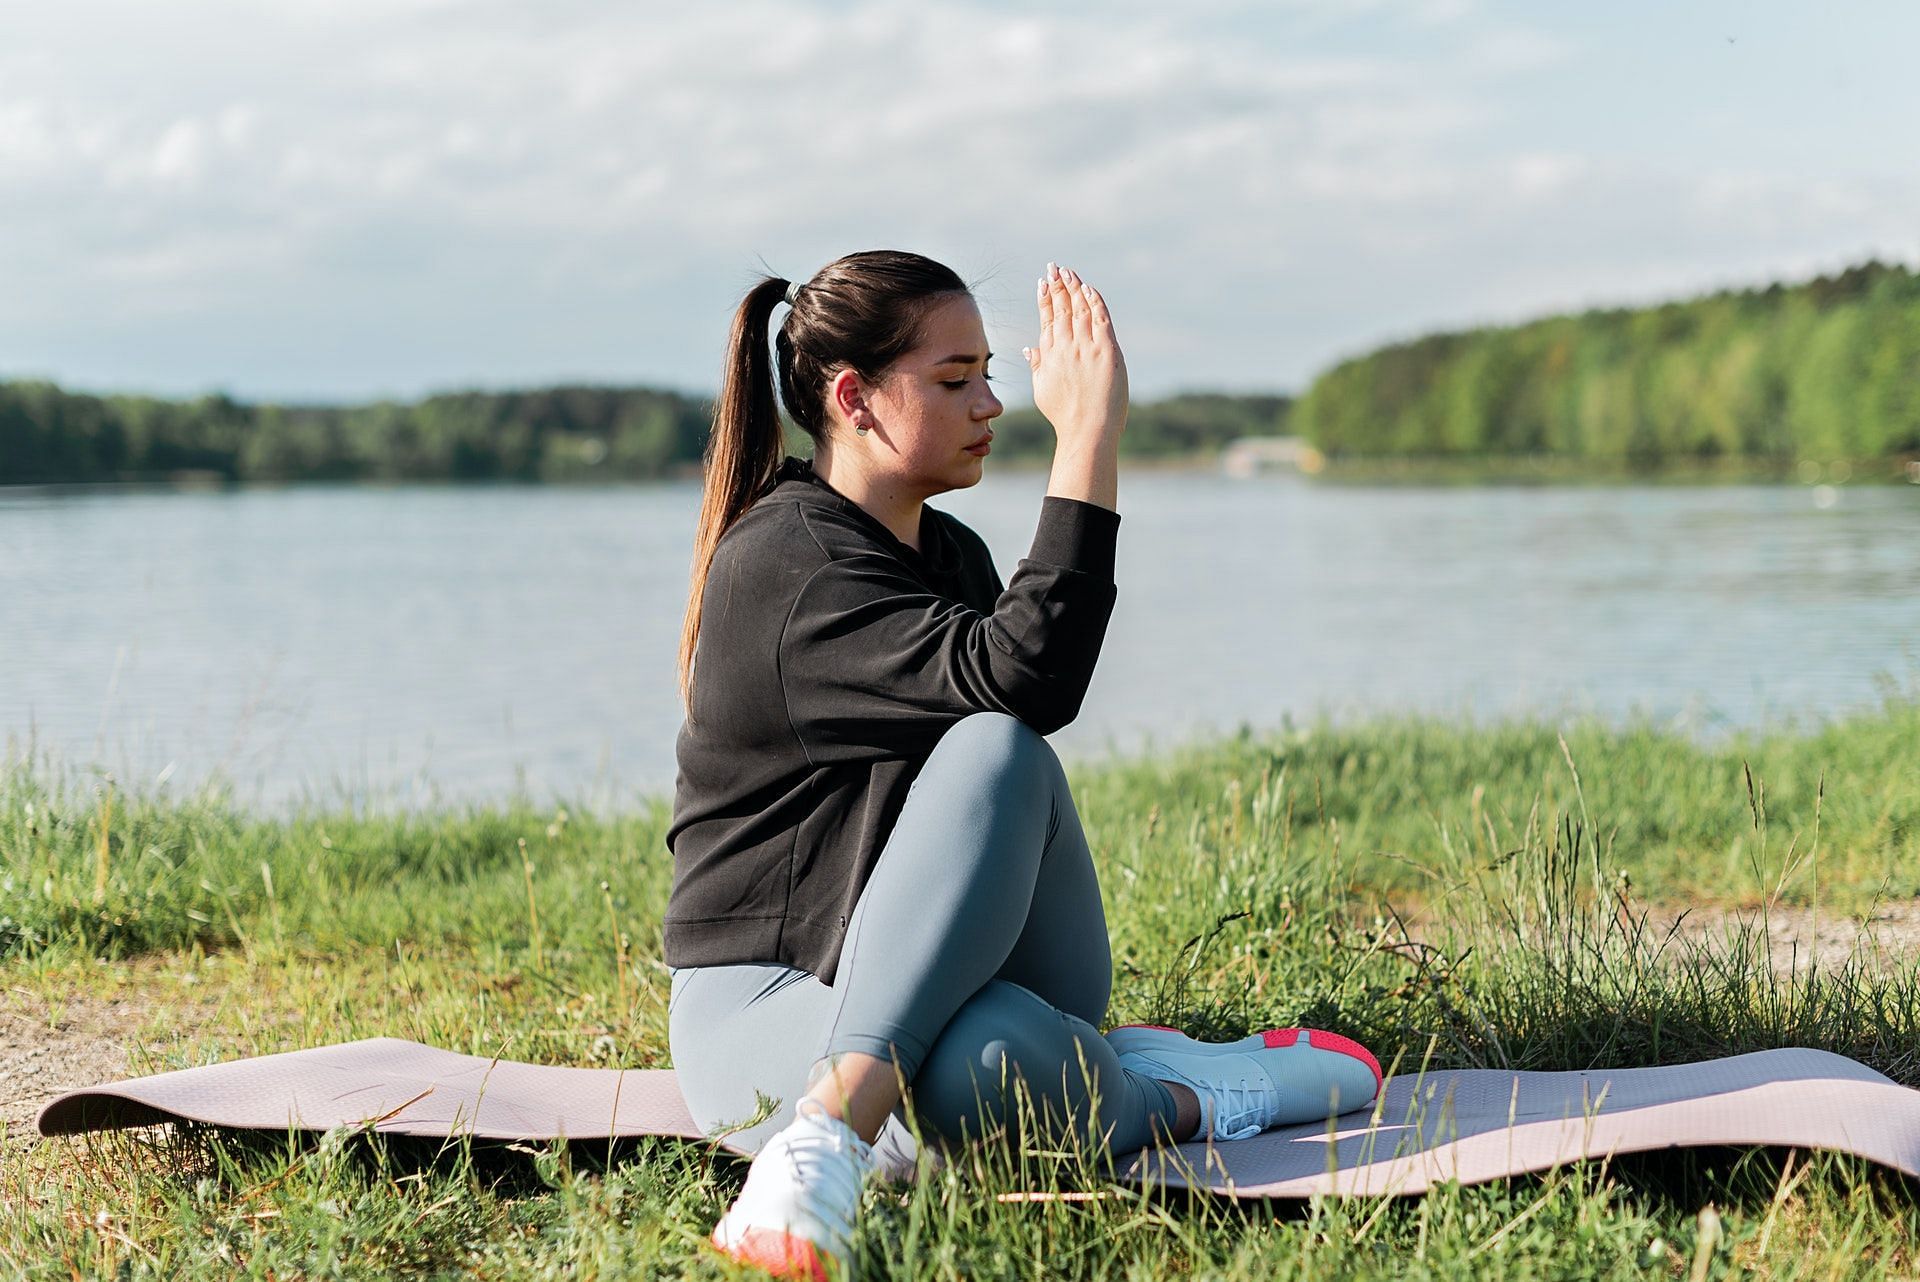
1826, 371
52, 436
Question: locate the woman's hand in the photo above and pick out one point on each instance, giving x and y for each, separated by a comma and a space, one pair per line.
1079, 375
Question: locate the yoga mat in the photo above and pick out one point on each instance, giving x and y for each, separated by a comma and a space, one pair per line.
1484, 1124
400, 1087
1465, 1125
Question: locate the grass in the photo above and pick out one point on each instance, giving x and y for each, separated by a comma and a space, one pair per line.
1483, 896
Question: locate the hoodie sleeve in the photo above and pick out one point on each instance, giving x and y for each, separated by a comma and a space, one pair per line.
874, 664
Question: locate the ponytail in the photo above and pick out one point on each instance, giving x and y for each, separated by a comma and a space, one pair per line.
743, 451
861, 312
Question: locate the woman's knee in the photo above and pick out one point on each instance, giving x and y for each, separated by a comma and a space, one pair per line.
997, 757
1003, 1043
998, 740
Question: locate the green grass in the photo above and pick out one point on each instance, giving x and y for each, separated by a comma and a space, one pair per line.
1479, 896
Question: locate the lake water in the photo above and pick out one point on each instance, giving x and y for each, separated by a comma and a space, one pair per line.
415, 646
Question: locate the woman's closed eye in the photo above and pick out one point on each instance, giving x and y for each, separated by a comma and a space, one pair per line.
957, 384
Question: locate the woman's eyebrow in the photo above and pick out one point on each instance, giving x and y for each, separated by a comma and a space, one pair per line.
965, 360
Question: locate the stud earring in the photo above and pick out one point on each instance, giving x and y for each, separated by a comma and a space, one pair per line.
863, 429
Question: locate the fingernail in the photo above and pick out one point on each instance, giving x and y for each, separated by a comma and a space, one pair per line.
1052, 271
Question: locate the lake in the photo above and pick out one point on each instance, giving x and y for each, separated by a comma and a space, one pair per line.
412, 646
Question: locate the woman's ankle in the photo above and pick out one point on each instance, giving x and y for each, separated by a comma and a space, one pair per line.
856, 1088
1186, 1116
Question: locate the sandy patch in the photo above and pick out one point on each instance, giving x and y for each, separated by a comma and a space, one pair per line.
50, 1045
1798, 937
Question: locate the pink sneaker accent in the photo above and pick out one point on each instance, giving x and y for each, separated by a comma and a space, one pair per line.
1170, 1054
1322, 1040
1318, 1038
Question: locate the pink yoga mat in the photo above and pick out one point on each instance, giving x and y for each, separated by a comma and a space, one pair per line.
401, 1087
1468, 1126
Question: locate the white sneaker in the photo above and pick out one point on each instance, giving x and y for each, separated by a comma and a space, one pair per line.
800, 1198
1275, 1078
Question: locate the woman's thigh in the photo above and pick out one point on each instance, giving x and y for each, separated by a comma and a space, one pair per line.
741, 1029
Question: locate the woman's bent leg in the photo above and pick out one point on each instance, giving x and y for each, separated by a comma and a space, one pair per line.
1062, 954
983, 829
1006, 1035
987, 877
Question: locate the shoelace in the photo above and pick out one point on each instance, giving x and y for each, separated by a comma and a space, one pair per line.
1246, 1111
829, 1162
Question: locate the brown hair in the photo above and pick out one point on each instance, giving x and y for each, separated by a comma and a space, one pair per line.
862, 312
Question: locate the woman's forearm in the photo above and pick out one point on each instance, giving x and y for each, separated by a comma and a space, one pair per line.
1087, 470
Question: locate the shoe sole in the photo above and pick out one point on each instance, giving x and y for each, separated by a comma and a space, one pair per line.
1145, 1037
776, 1251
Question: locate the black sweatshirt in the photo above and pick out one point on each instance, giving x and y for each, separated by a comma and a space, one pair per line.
831, 658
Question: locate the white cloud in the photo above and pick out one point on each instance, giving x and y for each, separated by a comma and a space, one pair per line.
486, 191
1534, 174
181, 153
1516, 49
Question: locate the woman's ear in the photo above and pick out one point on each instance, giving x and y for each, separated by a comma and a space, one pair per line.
847, 396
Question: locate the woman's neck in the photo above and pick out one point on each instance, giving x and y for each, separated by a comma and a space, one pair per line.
900, 510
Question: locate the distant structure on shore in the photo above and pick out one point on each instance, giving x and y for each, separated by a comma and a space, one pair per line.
1253, 454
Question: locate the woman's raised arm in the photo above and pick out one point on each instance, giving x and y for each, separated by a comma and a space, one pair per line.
1080, 387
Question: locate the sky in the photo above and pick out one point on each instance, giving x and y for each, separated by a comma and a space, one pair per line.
338, 200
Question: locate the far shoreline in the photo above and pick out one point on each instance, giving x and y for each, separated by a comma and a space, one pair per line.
1384, 471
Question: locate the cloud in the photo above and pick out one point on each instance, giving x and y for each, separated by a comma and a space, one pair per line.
452, 191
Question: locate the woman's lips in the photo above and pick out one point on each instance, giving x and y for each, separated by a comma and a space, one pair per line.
982, 449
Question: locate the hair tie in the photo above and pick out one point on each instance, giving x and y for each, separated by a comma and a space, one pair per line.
793, 292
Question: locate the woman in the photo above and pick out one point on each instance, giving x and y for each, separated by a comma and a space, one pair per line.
879, 874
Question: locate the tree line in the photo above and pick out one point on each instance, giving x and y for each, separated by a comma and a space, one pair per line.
52, 436
1828, 370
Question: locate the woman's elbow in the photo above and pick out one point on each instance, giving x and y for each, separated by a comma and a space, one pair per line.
1050, 708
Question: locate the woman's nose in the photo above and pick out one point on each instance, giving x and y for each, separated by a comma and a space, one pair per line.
992, 407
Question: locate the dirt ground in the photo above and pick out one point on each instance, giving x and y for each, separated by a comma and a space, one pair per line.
1801, 938
48, 1046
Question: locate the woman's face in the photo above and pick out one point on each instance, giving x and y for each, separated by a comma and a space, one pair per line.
935, 401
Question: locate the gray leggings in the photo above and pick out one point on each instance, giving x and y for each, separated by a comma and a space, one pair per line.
978, 948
